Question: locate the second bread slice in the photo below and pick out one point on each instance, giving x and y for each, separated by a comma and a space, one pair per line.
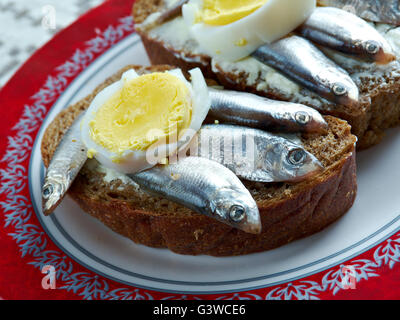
379, 86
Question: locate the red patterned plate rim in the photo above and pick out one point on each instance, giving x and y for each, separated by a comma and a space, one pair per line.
22, 239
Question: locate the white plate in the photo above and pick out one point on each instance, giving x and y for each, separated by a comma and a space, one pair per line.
374, 217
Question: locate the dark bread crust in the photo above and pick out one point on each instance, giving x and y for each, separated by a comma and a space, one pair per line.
288, 211
379, 107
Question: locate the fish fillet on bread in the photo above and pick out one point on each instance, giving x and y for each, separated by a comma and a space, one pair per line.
379, 85
288, 211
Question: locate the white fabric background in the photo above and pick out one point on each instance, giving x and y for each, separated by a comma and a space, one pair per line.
23, 27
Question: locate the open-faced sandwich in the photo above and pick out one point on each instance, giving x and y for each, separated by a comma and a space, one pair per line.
337, 56
166, 160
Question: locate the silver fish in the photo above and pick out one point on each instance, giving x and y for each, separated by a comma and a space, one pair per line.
345, 32
255, 155
68, 159
206, 187
385, 11
253, 111
301, 61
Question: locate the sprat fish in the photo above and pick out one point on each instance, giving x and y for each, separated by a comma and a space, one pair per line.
342, 31
206, 187
302, 62
255, 155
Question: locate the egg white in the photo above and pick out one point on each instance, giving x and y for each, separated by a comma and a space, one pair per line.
132, 161
275, 19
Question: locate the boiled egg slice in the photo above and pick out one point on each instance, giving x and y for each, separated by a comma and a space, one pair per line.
232, 30
140, 121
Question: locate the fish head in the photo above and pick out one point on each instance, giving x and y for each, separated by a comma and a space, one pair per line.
290, 162
236, 208
52, 194
311, 120
346, 92
380, 51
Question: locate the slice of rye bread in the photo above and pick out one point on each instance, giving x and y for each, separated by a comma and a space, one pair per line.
288, 211
379, 86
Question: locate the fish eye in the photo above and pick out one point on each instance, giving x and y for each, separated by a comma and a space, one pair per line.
302, 117
296, 156
47, 191
339, 89
372, 47
237, 213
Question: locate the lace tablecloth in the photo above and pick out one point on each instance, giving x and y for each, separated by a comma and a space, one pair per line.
25, 25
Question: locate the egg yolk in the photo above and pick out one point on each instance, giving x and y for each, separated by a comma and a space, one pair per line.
223, 12
146, 109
